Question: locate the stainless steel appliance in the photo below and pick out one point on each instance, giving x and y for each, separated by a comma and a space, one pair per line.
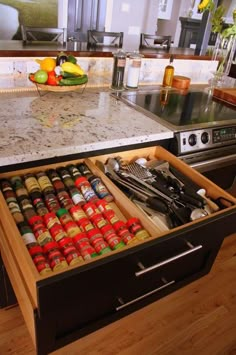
204, 128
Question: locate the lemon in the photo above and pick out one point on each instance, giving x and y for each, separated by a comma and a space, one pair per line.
47, 64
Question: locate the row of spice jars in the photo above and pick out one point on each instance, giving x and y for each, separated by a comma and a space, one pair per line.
30, 194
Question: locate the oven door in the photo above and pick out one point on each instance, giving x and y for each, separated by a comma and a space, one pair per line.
218, 165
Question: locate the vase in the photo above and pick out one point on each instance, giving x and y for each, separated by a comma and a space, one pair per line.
224, 51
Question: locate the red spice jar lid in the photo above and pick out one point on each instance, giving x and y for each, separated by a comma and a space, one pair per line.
35, 219
118, 225
65, 241
83, 220
132, 221
93, 232
79, 180
106, 228
51, 245
79, 237
36, 250
96, 216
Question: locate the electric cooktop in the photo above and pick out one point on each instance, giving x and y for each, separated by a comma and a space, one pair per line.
181, 110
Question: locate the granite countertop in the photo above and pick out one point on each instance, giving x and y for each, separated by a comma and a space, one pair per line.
37, 127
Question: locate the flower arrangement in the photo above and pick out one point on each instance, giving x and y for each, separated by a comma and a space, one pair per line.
217, 20
225, 43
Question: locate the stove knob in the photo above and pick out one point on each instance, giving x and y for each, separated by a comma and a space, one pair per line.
205, 137
192, 139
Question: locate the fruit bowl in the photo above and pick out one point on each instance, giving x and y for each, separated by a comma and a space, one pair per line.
58, 88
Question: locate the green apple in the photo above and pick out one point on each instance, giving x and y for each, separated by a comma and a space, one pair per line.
41, 76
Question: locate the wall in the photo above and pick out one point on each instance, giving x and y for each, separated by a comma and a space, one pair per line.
134, 17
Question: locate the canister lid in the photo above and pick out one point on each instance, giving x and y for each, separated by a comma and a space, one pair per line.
181, 82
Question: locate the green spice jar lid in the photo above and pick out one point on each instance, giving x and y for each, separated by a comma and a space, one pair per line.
61, 211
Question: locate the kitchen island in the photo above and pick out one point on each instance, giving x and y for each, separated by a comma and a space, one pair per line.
38, 127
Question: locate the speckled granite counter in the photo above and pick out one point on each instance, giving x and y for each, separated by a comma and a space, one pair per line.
37, 127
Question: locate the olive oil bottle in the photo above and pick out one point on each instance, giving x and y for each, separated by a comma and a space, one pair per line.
168, 73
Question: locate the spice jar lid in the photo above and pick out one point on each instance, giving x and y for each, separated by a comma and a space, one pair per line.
132, 221
106, 228
35, 250
79, 236
65, 241
51, 245
93, 232
79, 180
35, 219
61, 211
117, 225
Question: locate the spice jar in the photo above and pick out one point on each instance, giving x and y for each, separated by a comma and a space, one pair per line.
38, 203
111, 237
103, 206
72, 229
27, 235
26, 207
134, 67
40, 260
56, 260
51, 202
64, 199
90, 209
123, 232
100, 189
82, 243
58, 232
86, 189
84, 170
98, 220
64, 216
98, 242
57, 183
50, 219
85, 224
18, 186
118, 70
40, 231
66, 178
77, 213
69, 251
44, 182
11, 201
76, 195
74, 171
111, 216
136, 228
31, 183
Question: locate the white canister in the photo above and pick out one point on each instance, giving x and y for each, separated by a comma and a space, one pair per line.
135, 60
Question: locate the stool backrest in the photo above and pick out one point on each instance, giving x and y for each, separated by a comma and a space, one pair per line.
104, 38
154, 41
51, 34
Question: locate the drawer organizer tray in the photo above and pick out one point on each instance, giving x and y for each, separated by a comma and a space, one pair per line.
67, 305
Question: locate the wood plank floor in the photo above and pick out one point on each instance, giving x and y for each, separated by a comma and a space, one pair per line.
198, 319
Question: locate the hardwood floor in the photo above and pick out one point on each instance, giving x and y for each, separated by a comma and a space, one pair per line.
198, 319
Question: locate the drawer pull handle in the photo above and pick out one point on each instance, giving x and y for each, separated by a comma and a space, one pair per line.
124, 305
167, 261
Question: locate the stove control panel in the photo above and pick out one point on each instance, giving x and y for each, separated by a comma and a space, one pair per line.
202, 139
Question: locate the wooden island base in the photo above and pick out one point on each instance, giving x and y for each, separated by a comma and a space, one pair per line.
198, 319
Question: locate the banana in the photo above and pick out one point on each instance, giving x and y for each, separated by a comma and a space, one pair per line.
79, 80
72, 68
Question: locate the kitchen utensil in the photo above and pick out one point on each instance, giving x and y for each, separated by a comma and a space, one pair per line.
213, 206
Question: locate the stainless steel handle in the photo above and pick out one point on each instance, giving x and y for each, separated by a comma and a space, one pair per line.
214, 163
167, 261
124, 305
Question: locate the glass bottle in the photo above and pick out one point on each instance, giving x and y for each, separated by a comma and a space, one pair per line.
168, 74
118, 70
135, 60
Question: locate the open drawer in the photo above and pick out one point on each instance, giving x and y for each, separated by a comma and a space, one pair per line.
65, 305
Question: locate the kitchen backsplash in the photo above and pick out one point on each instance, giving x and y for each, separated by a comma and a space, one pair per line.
14, 71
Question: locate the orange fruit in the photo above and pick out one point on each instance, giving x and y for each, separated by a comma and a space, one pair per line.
47, 64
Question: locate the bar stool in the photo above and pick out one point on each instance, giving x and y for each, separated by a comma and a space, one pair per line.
154, 41
104, 39
51, 34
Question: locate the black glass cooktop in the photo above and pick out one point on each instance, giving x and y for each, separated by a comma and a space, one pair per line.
182, 109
